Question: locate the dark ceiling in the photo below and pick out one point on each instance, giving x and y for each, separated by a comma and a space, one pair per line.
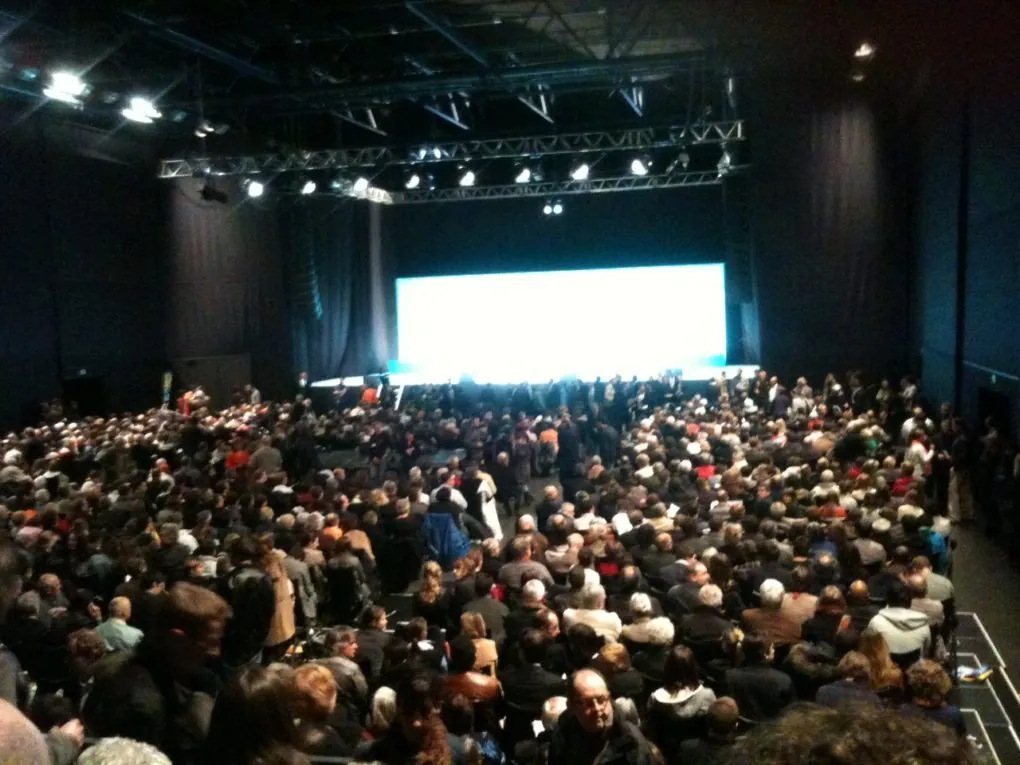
300, 75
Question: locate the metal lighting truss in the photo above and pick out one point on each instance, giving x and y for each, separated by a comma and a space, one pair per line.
499, 148
557, 188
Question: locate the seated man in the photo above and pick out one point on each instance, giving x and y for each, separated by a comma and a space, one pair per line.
905, 630
770, 621
761, 691
115, 631
593, 613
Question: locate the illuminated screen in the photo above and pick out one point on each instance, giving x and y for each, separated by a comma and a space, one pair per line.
541, 325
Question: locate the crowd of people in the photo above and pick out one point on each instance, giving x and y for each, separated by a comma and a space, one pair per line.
614, 572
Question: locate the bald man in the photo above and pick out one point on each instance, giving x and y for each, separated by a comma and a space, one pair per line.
115, 631
588, 731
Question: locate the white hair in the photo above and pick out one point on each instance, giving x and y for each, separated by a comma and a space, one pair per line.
710, 595
660, 631
640, 604
122, 751
771, 593
593, 596
384, 709
534, 590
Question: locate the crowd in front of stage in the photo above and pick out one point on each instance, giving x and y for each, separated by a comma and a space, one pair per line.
615, 572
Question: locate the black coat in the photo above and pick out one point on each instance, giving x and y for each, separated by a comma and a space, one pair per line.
570, 745
371, 647
761, 692
252, 599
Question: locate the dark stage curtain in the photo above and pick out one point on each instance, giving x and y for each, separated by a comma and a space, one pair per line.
296, 284
831, 260
226, 286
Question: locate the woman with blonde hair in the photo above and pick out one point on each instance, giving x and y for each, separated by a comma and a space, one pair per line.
886, 677
281, 627
486, 654
432, 602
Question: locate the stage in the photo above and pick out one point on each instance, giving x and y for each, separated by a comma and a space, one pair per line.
691, 374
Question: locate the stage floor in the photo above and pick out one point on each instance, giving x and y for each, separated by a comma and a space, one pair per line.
691, 374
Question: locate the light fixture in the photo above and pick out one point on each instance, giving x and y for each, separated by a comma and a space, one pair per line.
557, 208
467, 178
361, 185
141, 110
865, 51
548, 208
412, 181
640, 165
581, 172
65, 86
437, 153
308, 186
254, 189
685, 159
523, 175
857, 76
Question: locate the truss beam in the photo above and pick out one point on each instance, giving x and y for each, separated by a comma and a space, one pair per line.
557, 188
501, 148
368, 123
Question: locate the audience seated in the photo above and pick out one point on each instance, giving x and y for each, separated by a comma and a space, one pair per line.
693, 568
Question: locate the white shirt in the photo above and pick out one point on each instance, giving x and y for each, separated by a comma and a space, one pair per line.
911, 425
455, 497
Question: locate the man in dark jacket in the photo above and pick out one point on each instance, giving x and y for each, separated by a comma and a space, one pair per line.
372, 641
588, 732
706, 623
249, 591
527, 686
492, 611
761, 691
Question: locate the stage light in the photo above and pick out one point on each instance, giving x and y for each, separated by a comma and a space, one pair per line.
865, 51
548, 208
581, 172
65, 86
308, 187
685, 159
254, 189
467, 178
412, 181
361, 185
523, 175
437, 153
557, 208
640, 165
141, 110
857, 76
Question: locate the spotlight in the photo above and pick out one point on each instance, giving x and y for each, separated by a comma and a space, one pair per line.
640, 166
141, 110
412, 181
857, 76
430, 182
685, 159
557, 208
254, 188
361, 185
581, 172
467, 178
865, 51
548, 208
308, 187
523, 175
437, 153
725, 161
65, 86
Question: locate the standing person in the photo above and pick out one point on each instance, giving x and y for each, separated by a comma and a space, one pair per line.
250, 592
961, 490
588, 732
520, 464
281, 626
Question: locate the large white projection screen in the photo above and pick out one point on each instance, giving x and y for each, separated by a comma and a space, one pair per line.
541, 325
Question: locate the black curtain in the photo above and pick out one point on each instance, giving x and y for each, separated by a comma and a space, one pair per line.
831, 256
227, 296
